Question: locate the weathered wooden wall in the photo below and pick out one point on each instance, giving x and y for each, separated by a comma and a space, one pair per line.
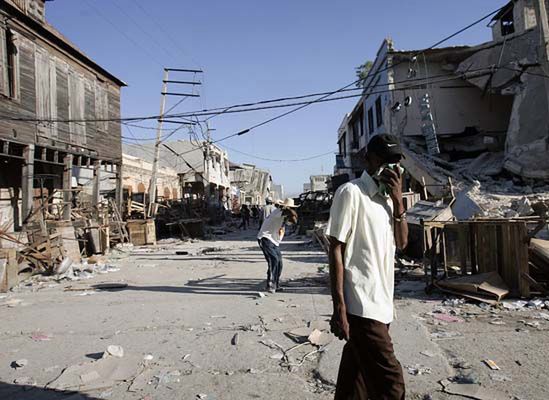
100, 141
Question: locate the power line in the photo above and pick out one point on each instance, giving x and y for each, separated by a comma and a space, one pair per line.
129, 38
138, 25
214, 111
168, 35
286, 113
279, 160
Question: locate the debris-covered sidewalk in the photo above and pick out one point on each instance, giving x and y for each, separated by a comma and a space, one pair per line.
190, 320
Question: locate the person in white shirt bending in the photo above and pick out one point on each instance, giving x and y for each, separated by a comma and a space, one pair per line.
270, 235
367, 222
266, 211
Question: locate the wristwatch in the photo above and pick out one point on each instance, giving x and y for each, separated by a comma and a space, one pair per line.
401, 217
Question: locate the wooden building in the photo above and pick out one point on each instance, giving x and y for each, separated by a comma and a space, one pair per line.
58, 113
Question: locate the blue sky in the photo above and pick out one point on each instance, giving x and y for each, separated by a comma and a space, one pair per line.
255, 50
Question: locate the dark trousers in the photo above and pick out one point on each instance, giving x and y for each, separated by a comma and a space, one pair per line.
369, 368
274, 261
245, 223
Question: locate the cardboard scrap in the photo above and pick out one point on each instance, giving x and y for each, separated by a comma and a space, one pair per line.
471, 390
487, 287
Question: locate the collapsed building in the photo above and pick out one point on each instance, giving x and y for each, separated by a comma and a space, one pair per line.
203, 168
477, 114
474, 122
250, 185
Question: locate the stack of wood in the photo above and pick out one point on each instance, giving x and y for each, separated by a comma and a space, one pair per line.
506, 247
319, 234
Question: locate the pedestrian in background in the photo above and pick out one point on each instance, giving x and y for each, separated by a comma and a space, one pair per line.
255, 215
367, 222
269, 238
245, 215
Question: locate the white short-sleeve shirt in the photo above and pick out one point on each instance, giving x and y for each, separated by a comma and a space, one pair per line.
361, 218
270, 229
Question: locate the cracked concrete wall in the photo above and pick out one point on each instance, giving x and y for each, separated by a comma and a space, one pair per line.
455, 103
526, 144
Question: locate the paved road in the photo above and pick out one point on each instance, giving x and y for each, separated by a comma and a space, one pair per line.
185, 310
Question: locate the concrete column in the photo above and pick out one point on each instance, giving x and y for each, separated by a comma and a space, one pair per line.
96, 183
27, 182
119, 193
67, 186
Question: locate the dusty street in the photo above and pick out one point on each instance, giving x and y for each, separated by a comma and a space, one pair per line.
197, 326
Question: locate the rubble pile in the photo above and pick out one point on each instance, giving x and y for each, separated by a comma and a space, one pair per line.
494, 193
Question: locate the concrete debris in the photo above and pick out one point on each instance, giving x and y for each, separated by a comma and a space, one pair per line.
25, 380
472, 391
418, 369
19, 364
234, 340
523, 207
319, 338
96, 375
63, 266
445, 335
532, 324
461, 364
467, 378
114, 351
542, 315
465, 207
500, 378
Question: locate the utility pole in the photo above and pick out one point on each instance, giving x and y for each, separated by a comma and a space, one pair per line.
150, 211
152, 184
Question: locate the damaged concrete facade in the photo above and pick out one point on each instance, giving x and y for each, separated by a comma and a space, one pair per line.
487, 104
50, 92
250, 185
137, 173
203, 169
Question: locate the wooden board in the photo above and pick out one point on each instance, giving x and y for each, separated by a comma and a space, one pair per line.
8, 270
142, 232
70, 243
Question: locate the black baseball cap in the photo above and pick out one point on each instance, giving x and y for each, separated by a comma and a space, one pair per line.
387, 147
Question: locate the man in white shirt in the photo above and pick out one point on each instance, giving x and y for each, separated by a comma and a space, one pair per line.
367, 223
267, 210
269, 238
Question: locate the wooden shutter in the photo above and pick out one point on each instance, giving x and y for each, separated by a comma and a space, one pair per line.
76, 108
102, 106
4, 79
52, 72
43, 98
